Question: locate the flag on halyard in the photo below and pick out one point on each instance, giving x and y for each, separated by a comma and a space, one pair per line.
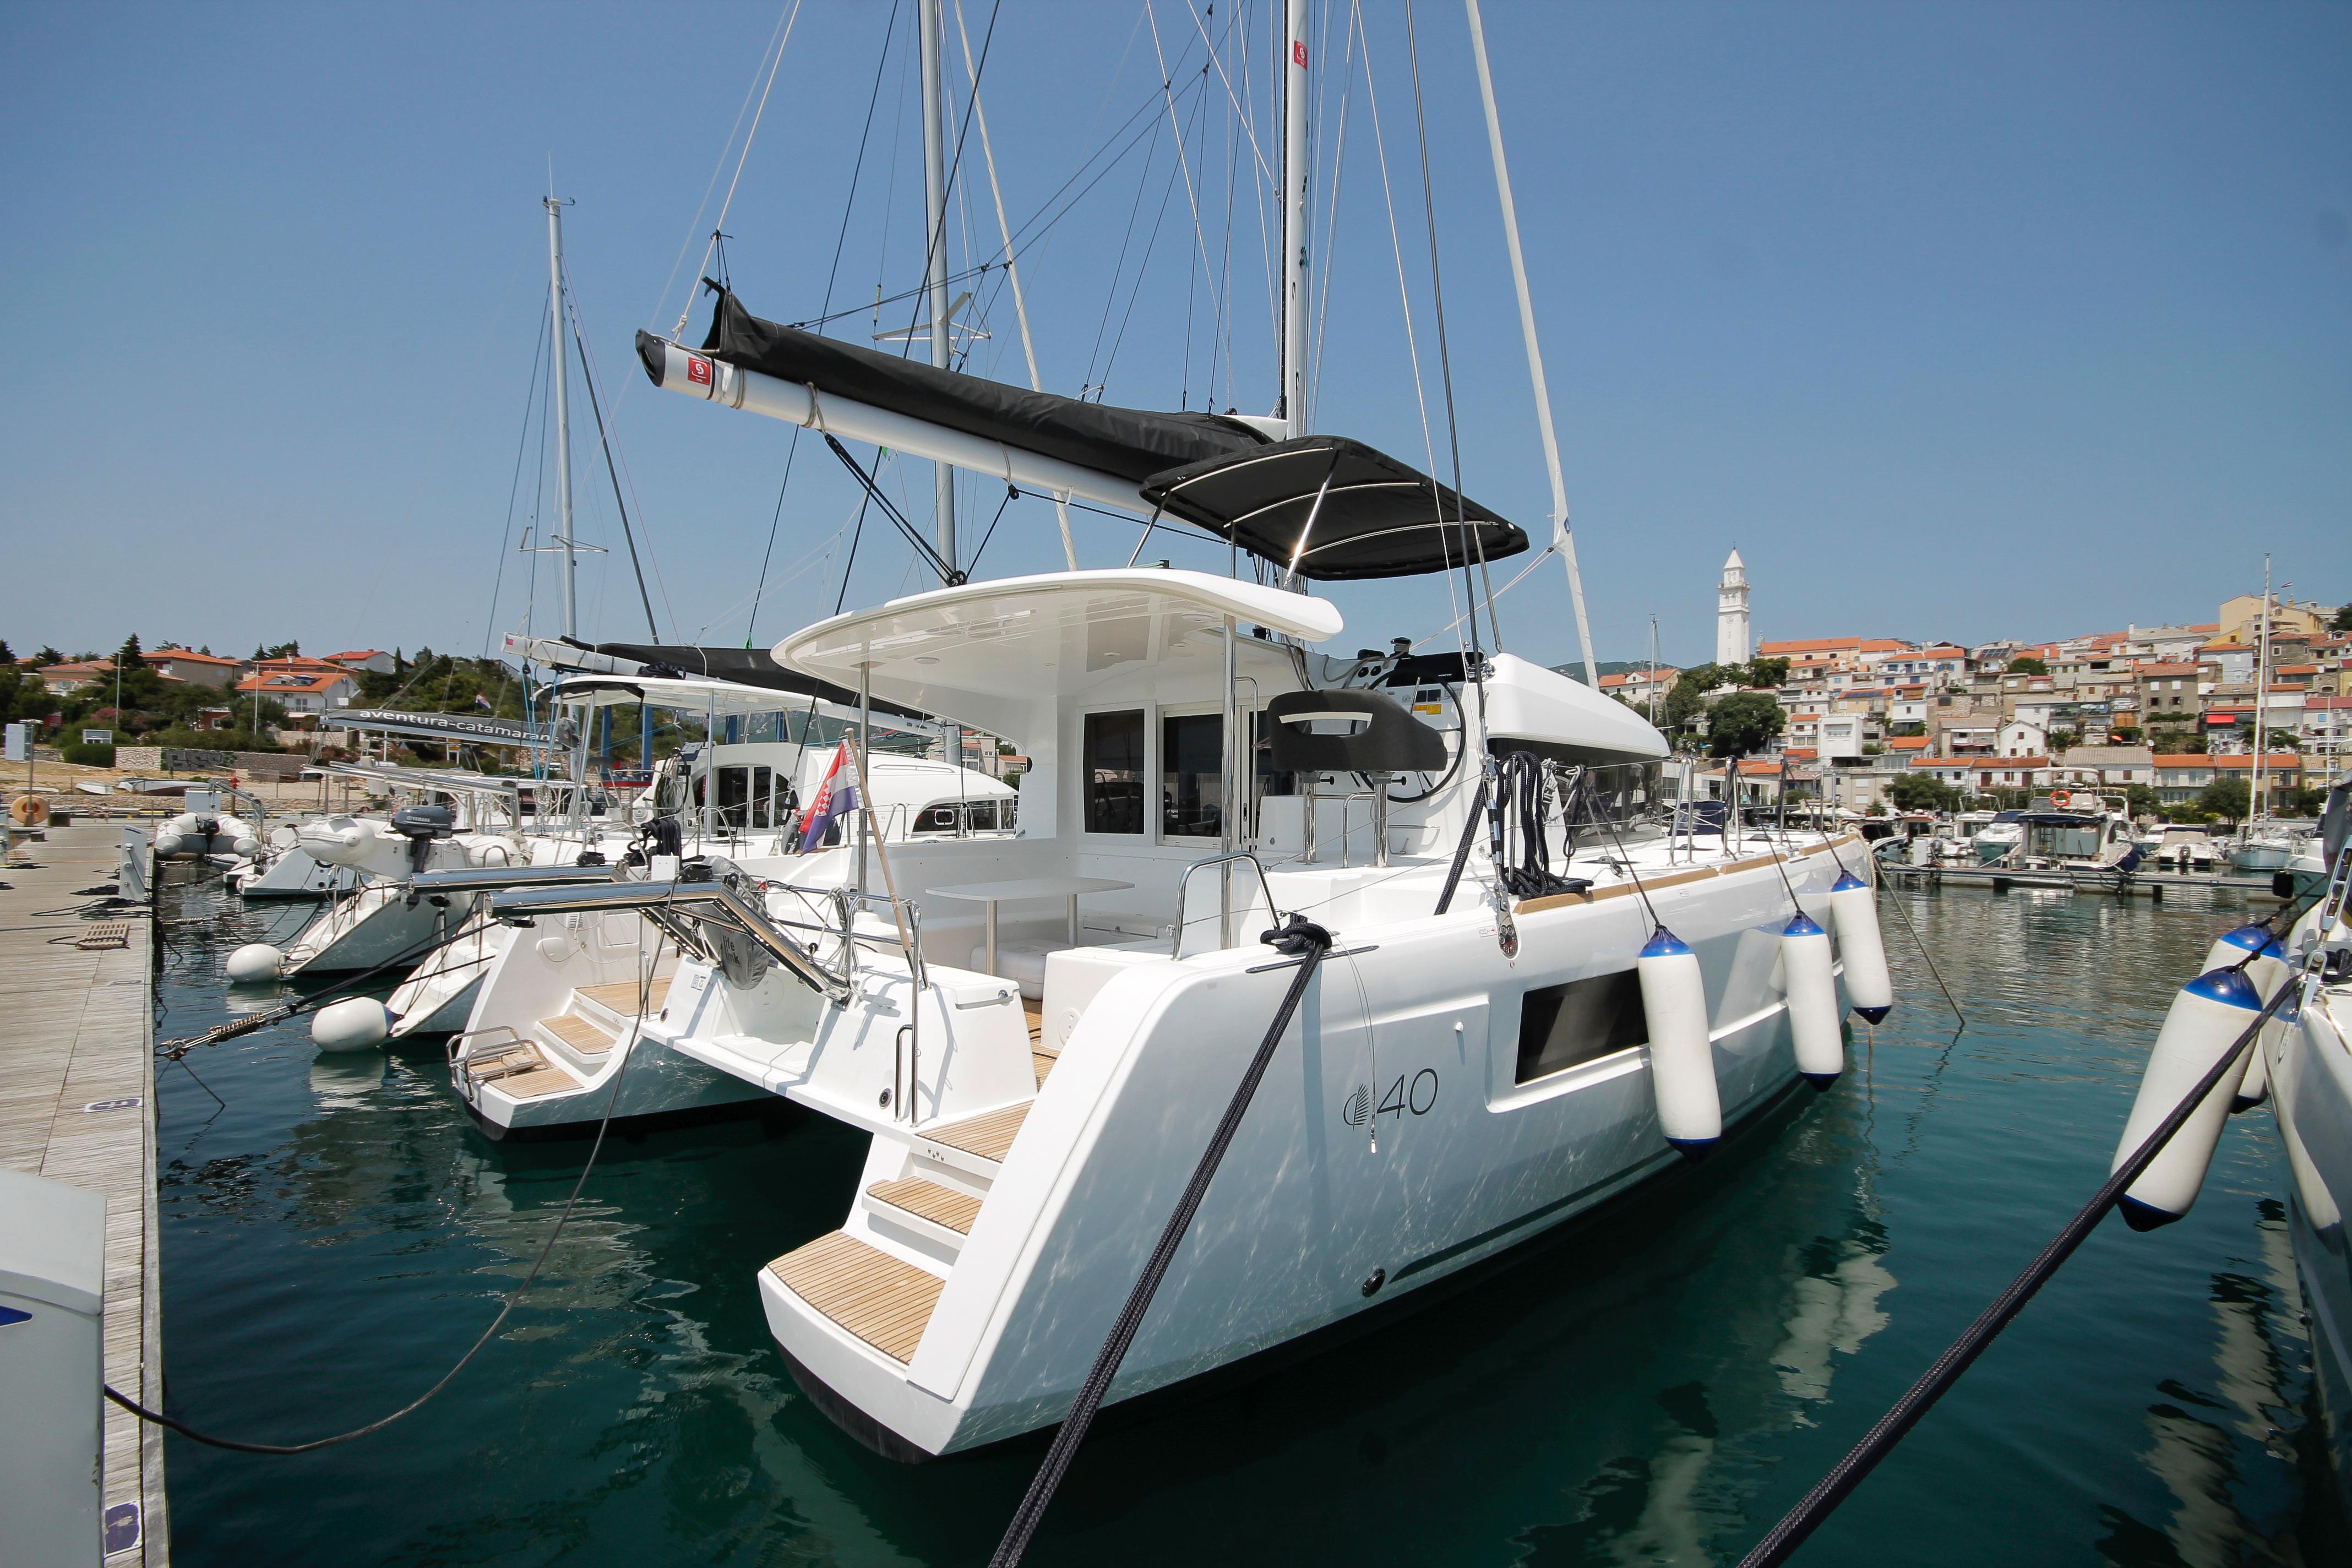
835, 797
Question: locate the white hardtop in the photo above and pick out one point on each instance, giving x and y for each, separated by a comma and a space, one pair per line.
1053, 635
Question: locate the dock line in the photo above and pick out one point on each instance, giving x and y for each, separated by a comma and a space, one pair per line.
644, 993
1783, 1539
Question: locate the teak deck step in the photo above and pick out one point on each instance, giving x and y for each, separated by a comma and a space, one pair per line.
1034, 1014
585, 1036
987, 1135
927, 1200
523, 1074
873, 1295
1043, 1063
621, 995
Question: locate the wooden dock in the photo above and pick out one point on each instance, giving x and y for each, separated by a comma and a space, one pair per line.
78, 1105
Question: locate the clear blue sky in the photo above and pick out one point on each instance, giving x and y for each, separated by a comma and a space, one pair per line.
1960, 321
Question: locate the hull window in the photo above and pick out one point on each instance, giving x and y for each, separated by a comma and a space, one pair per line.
1113, 763
1562, 1026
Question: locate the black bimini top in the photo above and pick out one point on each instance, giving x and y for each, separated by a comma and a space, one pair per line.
1334, 507
1130, 443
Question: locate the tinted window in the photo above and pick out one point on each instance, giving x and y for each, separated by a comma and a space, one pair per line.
1560, 1026
1112, 762
1191, 776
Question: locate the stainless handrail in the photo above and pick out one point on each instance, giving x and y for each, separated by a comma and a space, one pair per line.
1176, 940
699, 900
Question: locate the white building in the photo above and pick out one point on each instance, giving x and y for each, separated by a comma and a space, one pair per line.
1731, 634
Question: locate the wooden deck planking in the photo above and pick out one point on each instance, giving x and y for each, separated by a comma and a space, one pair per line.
621, 995
585, 1036
882, 1300
929, 1200
989, 1135
80, 1031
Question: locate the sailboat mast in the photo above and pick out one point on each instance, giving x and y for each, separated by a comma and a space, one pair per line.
2261, 699
1296, 168
935, 215
562, 411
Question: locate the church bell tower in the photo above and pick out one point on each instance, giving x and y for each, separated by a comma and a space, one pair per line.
1731, 613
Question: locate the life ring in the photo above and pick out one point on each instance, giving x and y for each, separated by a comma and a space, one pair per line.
29, 811
2061, 799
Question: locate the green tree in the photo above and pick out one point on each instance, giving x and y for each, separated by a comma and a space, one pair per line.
130, 656
1743, 723
2062, 740
2028, 665
47, 655
2226, 799
1687, 699
2141, 800
1766, 672
1922, 792
2343, 621
7, 654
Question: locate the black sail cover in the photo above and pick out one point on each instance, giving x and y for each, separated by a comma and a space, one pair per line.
1131, 443
743, 666
1361, 512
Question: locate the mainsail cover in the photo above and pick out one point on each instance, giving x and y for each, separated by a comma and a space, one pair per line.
1131, 443
743, 666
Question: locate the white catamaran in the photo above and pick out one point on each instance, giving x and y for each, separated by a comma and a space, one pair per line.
1407, 940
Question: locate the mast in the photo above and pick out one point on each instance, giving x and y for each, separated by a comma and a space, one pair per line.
935, 223
2262, 699
562, 412
1296, 168
1562, 538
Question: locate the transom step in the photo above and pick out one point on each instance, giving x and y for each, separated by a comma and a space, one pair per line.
584, 1035
883, 1300
943, 1207
521, 1072
619, 998
985, 1139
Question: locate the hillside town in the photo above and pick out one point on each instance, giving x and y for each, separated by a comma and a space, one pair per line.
2159, 714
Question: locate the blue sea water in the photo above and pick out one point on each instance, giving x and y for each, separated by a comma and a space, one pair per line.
1656, 1388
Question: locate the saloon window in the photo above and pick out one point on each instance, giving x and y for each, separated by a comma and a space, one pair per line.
1111, 760
1191, 776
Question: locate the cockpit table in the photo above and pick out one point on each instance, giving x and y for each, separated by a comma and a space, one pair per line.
994, 893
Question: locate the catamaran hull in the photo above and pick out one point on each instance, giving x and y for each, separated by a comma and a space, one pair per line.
2311, 1076
1373, 1164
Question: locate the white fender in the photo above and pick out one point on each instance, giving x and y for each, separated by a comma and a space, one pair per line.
2320, 1209
354, 1023
1853, 909
255, 963
1812, 979
1682, 1058
2208, 1016
2268, 970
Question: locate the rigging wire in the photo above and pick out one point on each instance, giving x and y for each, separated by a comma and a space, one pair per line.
514, 485
948, 575
590, 373
604, 440
833, 272
748, 137
1470, 546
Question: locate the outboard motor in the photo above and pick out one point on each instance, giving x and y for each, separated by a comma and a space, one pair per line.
421, 826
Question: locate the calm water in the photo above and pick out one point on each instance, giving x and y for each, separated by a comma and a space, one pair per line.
1656, 1389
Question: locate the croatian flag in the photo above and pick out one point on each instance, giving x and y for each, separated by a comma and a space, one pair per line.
835, 797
